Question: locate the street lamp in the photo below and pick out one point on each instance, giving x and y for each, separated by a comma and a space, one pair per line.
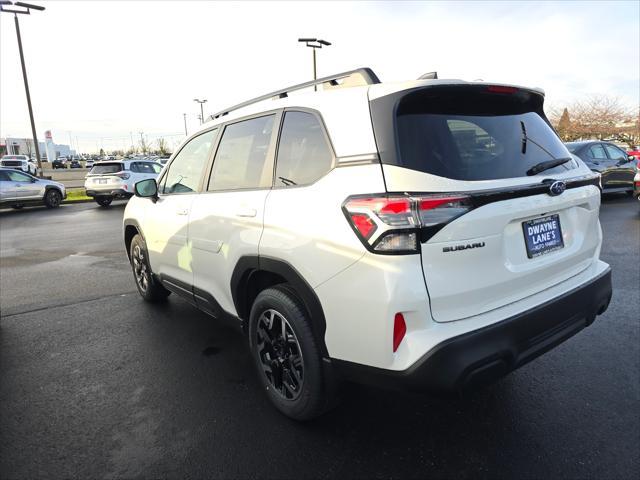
24, 8
314, 43
201, 109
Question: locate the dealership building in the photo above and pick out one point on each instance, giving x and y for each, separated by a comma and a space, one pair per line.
25, 146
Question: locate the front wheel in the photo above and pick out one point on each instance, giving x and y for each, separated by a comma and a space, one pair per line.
52, 198
147, 285
287, 356
104, 201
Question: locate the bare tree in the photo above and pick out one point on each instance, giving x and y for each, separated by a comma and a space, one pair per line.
599, 117
144, 145
163, 148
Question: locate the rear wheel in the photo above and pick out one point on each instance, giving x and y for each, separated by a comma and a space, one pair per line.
52, 198
287, 356
104, 201
148, 287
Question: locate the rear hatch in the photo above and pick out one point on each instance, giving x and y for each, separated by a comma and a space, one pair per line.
106, 174
506, 223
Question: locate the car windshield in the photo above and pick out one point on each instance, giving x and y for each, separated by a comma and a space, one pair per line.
104, 168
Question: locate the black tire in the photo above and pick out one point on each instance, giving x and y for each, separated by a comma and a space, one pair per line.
289, 369
52, 198
104, 201
148, 286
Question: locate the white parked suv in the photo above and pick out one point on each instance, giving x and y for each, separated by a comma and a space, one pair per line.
107, 181
20, 162
431, 235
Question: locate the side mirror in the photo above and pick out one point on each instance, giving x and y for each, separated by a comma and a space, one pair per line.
631, 158
147, 189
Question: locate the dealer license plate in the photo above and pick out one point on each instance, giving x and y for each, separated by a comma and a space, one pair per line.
543, 235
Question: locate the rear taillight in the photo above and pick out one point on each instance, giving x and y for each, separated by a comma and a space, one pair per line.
396, 224
123, 175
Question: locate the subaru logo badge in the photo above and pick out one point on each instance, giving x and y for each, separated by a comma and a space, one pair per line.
557, 188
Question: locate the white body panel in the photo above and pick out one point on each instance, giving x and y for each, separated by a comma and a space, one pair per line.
165, 227
223, 226
306, 227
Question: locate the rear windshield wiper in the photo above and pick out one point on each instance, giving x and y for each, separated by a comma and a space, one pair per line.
542, 166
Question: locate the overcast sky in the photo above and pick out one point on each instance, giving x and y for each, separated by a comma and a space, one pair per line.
99, 71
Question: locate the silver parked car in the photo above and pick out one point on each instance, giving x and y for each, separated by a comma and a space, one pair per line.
18, 189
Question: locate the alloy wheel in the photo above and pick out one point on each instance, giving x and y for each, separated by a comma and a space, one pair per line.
54, 198
140, 268
280, 354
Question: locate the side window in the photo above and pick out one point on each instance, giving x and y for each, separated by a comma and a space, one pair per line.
615, 153
186, 169
134, 167
3, 176
156, 168
240, 161
18, 177
304, 154
597, 152
144, 167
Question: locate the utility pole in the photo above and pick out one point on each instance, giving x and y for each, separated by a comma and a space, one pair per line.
27, 11
314, 43
185, 124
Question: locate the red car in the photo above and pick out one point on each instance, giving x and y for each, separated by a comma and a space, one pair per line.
635, 152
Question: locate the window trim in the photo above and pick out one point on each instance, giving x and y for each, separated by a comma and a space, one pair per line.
165, 170
278, 112
323, 127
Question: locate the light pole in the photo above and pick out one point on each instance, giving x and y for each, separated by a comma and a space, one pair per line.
314, 43
27, 11
201, 102
184, 115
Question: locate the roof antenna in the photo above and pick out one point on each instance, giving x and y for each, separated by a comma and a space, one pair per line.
429, 76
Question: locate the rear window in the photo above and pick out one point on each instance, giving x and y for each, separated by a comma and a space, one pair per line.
573, 147
468, 133
102, 168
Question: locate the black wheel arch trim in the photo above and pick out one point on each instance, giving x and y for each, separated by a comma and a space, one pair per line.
249, 265
130, 222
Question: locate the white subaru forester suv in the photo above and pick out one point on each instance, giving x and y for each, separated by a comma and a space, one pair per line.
431, 235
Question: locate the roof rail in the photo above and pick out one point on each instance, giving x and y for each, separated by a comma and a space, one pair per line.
359, 76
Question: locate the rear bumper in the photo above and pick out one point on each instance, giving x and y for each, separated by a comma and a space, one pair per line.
479, 357
116, 193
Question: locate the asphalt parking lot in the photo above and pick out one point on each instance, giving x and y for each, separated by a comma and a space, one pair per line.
94, 383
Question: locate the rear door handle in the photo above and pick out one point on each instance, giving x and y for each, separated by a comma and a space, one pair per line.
246, 212
183, 211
